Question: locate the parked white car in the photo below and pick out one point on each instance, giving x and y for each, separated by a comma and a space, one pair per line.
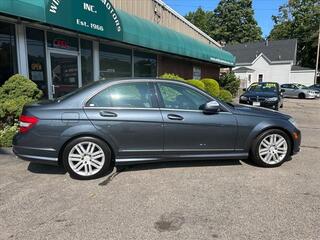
294, 90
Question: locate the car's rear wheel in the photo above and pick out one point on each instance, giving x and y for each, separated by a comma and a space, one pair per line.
87, 158
271, 148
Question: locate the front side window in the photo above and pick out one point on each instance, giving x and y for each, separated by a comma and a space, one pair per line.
176, 96
124, 95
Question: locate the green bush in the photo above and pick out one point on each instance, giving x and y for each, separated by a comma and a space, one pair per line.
6, 135
197, 84
14, 94
212, 87
171, 76
225, 95
230, 82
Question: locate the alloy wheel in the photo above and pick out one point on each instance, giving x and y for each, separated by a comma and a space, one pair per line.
86, 158
273, 149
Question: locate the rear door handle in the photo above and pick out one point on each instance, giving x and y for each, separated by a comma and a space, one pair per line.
175, 117
108, 114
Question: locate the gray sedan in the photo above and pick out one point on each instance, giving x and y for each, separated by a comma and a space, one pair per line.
298, 91
149, 120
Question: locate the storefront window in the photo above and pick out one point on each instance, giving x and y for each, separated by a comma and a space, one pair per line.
37, 59
60, 41
115, 62
8, 54
145, 65
86, 62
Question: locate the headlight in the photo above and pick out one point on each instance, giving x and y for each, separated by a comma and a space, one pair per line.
293, 122
243, 98
311, 92
273, 99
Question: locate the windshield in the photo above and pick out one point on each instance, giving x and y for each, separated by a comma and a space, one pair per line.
263, 87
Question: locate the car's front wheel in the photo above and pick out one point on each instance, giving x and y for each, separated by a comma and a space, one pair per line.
87, 158
271, 148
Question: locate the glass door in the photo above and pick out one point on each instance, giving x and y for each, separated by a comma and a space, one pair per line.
64, 73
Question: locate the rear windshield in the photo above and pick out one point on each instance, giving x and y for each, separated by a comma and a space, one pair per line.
263, 87
94, 84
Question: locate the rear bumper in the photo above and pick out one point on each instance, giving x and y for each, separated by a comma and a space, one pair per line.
34, 154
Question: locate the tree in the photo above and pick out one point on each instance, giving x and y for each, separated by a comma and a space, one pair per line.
201, 19
299, 19
234, 22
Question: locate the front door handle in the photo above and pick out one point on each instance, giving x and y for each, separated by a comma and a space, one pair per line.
175, 117
108, 114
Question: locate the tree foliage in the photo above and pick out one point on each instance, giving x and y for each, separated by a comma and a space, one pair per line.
234, 22
14, 94
231, 22
299, 19
201, 19
211, 86
230, 82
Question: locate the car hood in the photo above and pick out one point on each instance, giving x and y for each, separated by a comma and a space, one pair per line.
260, 94
256, 111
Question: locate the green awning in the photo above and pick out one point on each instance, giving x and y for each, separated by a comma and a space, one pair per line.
32, 9
100, 19
144, 33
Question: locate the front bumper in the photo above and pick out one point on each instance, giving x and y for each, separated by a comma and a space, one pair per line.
265, 104
296, 137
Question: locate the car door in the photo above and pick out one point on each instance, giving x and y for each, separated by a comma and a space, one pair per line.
126, 112
187, 129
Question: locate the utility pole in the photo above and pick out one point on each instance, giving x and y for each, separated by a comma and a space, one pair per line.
317, 61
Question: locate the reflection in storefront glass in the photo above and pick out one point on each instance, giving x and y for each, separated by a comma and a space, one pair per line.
86, 62
8, 54
115, 62
37, 59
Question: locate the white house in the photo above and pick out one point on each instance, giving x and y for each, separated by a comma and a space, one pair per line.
269, 61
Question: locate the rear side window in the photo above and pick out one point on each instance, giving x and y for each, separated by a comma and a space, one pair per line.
124, 95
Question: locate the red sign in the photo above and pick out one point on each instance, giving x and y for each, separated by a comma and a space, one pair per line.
60, 43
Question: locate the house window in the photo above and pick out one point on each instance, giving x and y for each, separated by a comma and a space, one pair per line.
260, 78
196, 73
249, 78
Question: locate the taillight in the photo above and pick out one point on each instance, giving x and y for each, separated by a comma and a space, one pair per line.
26, 123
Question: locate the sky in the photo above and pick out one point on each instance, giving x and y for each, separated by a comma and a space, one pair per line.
263, 9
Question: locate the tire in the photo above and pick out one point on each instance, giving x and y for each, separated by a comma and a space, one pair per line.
87, 158
302, 96
261, 151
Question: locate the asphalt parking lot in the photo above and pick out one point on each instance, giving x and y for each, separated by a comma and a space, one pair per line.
192, 200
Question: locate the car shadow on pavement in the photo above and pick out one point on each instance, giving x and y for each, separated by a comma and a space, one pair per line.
176, 164
46, 169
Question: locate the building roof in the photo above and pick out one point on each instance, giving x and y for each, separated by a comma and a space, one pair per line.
275, 51
299, 68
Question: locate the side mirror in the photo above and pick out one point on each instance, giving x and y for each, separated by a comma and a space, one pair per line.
212, 107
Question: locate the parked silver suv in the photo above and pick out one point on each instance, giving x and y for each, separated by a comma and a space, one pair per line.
298, 91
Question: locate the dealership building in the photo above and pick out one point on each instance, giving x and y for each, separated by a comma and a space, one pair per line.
64, 44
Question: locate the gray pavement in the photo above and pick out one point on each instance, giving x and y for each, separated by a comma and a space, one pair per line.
192, 200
